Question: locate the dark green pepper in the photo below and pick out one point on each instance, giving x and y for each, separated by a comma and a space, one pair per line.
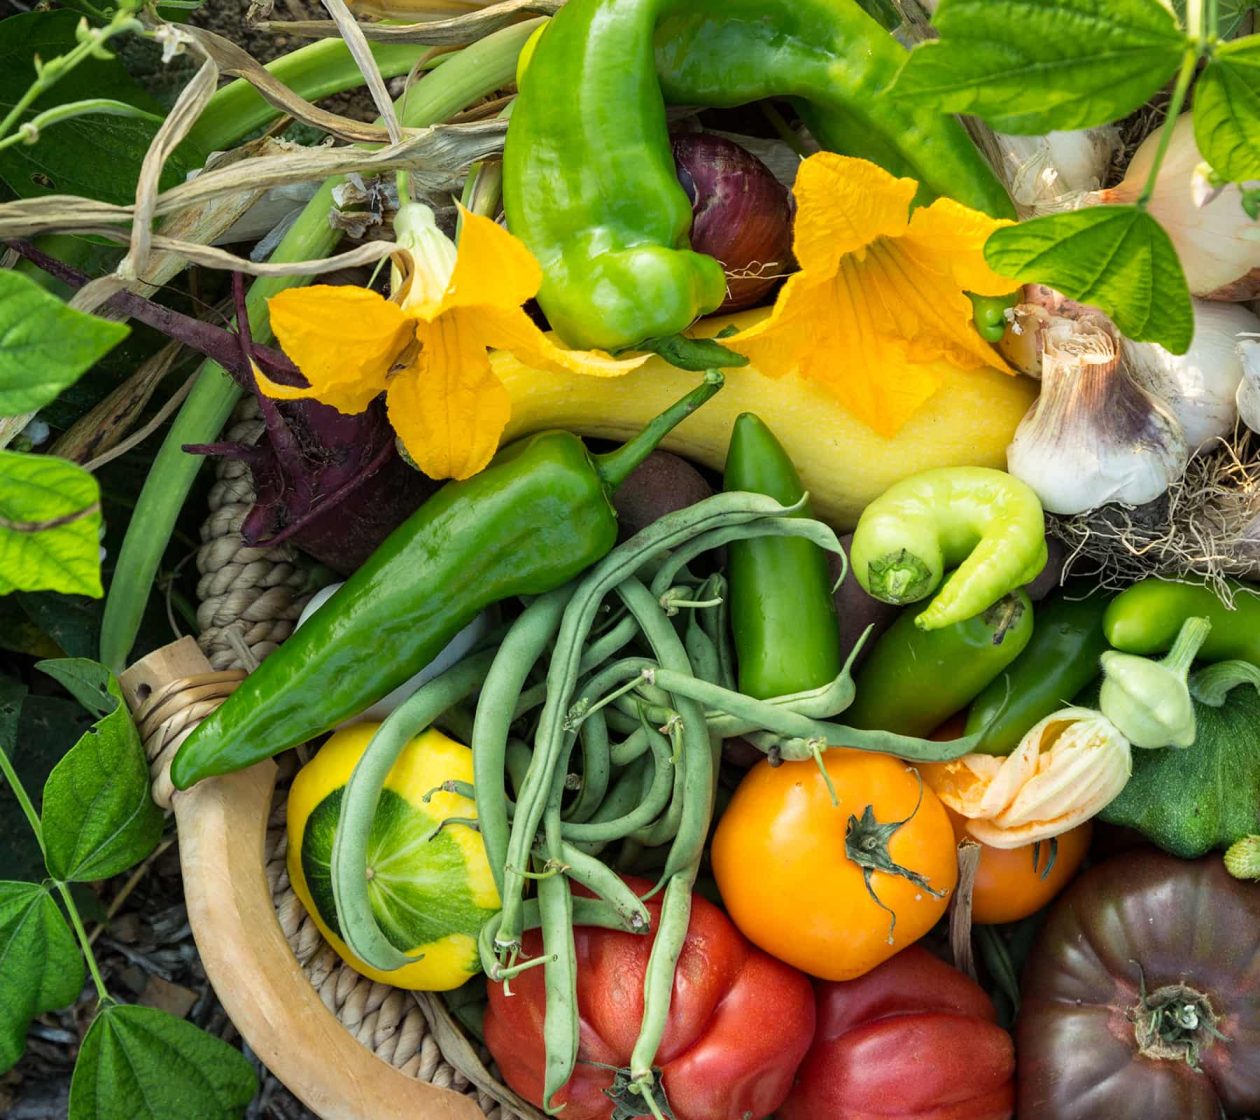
1060, 659
589, 182
1147, 617
783, 615
915, 679
535, 517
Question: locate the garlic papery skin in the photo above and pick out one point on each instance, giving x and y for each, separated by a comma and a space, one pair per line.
1219, 245
1093, 436
1248, 396
1039, 309
1047, 174
1201, 386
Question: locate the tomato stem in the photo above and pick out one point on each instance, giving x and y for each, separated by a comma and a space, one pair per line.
1174, 1023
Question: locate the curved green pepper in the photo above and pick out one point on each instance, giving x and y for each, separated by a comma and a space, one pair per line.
1147, 617
1059, 661
915, 679
783, 614
589, 182
535, 517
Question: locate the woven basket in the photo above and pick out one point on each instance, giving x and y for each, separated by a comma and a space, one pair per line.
349, 1048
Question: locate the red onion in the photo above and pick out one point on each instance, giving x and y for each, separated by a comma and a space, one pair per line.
741, 214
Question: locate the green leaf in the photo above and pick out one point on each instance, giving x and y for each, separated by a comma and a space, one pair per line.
1229, 14
1117, 258
98, 817
45, 345
1028, 66
138, 1063
97, 157
40, 965
50, 525
1227, 111
72, 622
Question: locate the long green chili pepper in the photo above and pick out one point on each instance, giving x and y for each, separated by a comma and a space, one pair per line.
472, 73
783, 610
533, 519
1147, 617
914, 679
1061, 658
985, 523
589, 182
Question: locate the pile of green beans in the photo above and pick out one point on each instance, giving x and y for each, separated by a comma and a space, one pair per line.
599, 723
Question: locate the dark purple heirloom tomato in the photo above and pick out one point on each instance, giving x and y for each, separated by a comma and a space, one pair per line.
1141, 999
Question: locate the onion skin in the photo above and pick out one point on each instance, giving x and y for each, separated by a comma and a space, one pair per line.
741, 214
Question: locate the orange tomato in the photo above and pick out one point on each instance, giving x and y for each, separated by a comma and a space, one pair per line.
789, 862
1009, 882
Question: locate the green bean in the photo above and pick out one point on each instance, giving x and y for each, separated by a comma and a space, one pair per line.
664, 829
651, 803
659, 537
595, 655
701, 651
605, 883
698, 772
596, 767
523, 645
716, 624
658, 982
586, 912
560, 1018
518, 759
349, 859
624, 794
793, 725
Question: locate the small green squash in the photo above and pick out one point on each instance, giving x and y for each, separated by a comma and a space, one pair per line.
1192, 800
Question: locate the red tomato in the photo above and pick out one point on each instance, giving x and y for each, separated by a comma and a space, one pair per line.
739, 1023
910, 1040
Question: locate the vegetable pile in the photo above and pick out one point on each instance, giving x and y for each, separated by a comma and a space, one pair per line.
688, 805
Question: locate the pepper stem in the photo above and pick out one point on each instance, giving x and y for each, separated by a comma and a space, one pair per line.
615, 467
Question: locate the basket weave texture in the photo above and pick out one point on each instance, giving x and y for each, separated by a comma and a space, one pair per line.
250, 599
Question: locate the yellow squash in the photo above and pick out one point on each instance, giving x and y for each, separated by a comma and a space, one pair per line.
843, 464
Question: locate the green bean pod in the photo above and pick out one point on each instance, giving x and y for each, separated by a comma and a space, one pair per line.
1061, 658
915, 679
985, 523
1147, 617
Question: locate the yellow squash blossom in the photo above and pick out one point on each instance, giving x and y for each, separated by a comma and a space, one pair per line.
880, 294
1065, 770
426, 348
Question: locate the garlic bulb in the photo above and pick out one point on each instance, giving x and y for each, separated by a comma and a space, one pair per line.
1219, 245
1030, 319
1248, 397
1200, 386
1094, 436
1045, 174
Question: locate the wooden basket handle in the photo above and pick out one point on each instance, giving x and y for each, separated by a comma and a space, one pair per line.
222, 826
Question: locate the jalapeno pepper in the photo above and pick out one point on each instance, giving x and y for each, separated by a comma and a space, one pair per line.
1060, 659
533, 519
1147, 617
915, 679
783, 616
984, 522
589, 182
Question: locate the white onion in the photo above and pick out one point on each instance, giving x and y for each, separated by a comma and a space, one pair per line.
1219, 245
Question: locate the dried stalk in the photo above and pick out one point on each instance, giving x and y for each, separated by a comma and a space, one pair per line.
455, 32
436, 155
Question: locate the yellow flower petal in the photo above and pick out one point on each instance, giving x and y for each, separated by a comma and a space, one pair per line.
948, 238
843, 205
448, 408
343, 339
493, 268
511, 329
